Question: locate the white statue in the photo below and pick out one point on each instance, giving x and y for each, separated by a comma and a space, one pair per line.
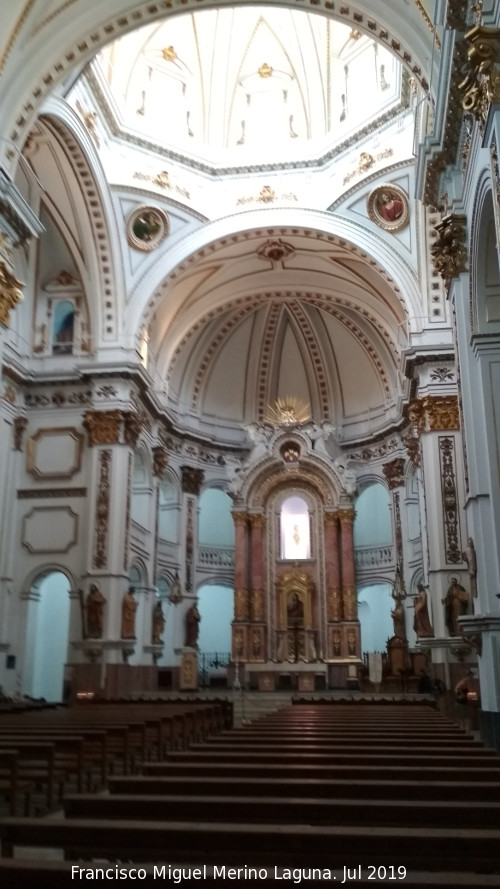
319, 434
234, 475
260, 436
346, 475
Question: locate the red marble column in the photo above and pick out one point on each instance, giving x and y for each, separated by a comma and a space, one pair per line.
346, 517
332, 567
240, 565
257, 524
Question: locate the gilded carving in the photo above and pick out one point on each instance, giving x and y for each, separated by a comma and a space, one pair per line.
411, 441
257, 521
435, 413
103, 427
10, 294
19, 426
334, 602
481, 84
257, 605
449, 491
160, 460
240, 519
241, 610
349, 604
192, 480
102, 510
346, 516
331, 519
449, 251
132, 426
394, 473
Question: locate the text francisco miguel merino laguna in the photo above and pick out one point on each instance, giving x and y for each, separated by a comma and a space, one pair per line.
179, 874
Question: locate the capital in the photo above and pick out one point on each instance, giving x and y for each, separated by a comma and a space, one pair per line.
10, 294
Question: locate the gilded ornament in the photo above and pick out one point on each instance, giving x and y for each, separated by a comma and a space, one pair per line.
349, 604
103, 427
481, 84
265, 71
241, 604
10, 294
394, 473
346, 516
449, 251
334, 604
160, 460
132, 426
257, 605
192, 480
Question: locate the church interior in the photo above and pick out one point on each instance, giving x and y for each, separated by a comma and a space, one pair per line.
249, 279
249, 425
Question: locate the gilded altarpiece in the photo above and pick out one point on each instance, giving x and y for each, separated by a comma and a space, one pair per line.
295, 595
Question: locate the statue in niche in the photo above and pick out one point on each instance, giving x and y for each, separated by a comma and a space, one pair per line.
129, 607
469, 556
346, 475
295, 611
421, 621
193, 618
158, 624
455, 605
94, 608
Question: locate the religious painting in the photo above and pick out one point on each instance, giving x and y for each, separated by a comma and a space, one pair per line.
146, 228
388, 207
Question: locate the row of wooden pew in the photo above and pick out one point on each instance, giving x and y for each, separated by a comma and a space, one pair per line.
43, 753
366, 795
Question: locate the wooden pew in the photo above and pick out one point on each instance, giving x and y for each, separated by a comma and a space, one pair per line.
293, 810
280, 845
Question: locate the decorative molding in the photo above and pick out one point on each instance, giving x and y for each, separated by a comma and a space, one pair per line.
449, 250
160, 460
394, 473
10, 292
127, 511
447, 463
103, 427
45, 459
132, 426
435, 413
102, 509
190, 538
241, 605
366, 162
19, 427
50, 529
50, 493
57, 398
192, 480
411, 441
481, 84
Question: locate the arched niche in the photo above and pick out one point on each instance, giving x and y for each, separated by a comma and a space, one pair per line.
295, 528
486, 305
47, 634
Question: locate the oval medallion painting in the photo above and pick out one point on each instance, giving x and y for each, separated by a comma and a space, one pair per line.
146, 228
388, 207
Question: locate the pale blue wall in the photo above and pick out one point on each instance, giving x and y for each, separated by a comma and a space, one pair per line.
372, 525
375, 604
215, 523
216, 607
49, 624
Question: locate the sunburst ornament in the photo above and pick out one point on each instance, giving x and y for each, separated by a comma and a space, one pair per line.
288, 411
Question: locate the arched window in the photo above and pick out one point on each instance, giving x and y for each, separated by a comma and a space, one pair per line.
295, 528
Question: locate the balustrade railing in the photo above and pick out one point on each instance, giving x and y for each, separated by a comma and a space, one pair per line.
216, 557
374, 557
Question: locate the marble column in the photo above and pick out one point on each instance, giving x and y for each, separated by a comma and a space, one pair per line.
257, 525
241, 606
346, 517
332, 567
